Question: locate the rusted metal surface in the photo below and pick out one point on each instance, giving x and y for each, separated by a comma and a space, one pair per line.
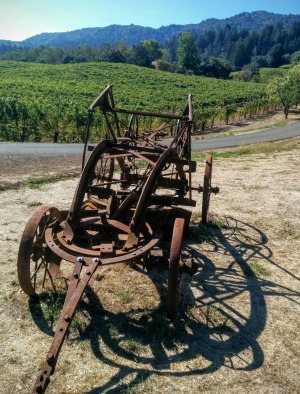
36, 263
207, 188
131, 187
74, 294
173, 274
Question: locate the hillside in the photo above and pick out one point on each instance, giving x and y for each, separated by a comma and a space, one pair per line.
134, 87
133, 34
55, 96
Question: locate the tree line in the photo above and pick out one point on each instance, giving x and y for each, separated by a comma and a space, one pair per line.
214, 53
272, 46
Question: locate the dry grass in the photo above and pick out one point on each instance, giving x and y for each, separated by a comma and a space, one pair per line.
238, 326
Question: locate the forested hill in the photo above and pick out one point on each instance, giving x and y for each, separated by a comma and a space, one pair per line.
133, 34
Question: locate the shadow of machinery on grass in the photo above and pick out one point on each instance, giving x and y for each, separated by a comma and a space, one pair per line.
222, 312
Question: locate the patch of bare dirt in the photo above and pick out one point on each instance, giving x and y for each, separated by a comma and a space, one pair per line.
238, 325
18, 168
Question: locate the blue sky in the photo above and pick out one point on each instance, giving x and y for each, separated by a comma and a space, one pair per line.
20, 19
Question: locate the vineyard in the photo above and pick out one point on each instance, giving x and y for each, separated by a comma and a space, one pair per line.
40, 102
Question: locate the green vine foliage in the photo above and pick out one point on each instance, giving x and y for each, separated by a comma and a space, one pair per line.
42, 102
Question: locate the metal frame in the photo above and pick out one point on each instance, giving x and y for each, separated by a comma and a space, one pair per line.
131, 186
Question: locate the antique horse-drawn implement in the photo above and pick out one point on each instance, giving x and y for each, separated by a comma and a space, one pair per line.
132, 187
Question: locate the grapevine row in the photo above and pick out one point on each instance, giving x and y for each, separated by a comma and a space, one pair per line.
49, 102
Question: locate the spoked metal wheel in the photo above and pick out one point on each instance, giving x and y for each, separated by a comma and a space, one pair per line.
37, 265
173, 275
102, 175
206, 188
104, 171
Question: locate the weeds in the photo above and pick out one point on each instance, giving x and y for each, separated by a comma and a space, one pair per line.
249, 188
124, 295
14, 283
34, 204
210, 231
9, 186
217, 223
128, 389
132, 345
215, 317
136, 386
52, 304
287, 230
113, 331
7, 297
196, 216
35, 183
212, 316
256, 269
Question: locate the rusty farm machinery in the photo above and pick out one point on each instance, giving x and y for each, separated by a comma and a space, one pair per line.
135, 189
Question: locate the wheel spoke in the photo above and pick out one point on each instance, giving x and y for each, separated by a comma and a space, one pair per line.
37, 268
45, 273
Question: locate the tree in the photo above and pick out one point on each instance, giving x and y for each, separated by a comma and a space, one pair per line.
113, 56
250, 72
286, 89
138, 55
153, 49
164, 65
275, 56
144, 53
172, 48
217, 68
241, 55
188, 55
295, 57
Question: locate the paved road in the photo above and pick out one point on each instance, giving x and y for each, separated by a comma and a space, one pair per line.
273, 134
42, 149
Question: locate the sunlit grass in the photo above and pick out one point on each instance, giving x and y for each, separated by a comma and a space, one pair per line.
260, 148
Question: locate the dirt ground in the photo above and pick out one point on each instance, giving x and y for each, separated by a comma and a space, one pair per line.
238, 325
